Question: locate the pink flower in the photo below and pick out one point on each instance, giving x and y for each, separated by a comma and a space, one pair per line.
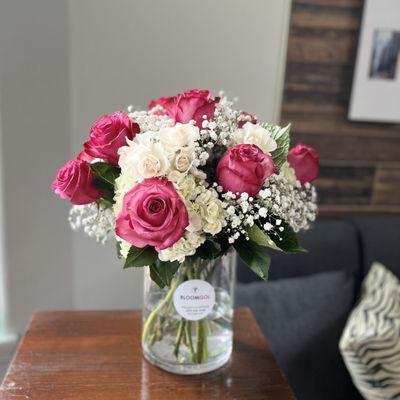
192, 104
152, 214
164, 102
304, 160
83, 156
74, 181
253, 119
108, 134
244, 168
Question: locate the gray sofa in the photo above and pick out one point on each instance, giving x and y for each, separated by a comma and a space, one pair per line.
304, 307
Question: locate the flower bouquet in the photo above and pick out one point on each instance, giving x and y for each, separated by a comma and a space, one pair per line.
183, 187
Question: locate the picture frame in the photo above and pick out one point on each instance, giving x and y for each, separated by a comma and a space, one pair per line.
375, 94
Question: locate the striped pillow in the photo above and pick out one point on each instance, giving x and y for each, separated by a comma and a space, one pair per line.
370, 343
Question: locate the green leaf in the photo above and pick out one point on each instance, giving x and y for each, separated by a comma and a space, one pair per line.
162, 272
254, 256
105, 203
105, 172
286, 239
140, 257
256, 234
104, 178
209, 250
282, 138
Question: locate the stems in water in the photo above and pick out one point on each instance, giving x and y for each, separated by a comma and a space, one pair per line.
189, 341
202, 351
155, 325
179, 336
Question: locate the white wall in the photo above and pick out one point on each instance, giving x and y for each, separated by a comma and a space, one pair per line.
36, 139
128, 52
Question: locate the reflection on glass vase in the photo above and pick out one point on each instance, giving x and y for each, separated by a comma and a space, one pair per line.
187, 327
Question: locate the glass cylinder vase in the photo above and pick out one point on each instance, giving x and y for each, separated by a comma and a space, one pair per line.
187, 327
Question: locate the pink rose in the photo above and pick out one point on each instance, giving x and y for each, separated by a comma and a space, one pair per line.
304, 160
74, 181
83, 156
108, 134
253, 119
192, 104
244, 168
164, 102
152, 214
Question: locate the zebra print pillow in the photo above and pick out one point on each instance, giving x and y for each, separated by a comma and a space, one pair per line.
370, 343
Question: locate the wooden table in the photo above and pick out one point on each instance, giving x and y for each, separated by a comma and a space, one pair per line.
87, 355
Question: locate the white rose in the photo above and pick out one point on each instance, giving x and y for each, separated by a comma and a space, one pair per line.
183, 160
179, 136
255, 134
144, 157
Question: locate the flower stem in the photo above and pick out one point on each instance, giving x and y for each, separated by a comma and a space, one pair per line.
152, 316
179, 337
202, 351
189, 341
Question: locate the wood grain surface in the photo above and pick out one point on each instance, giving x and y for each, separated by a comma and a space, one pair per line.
89, 355
360, 161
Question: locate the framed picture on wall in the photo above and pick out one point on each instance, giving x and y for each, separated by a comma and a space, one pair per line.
375, 94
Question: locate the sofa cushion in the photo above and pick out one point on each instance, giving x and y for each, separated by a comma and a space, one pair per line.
303, 319
380, 238
370, 343
331, 245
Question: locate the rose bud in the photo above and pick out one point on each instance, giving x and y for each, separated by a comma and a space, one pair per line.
153, 214
244, 168
304, 160
108, 134
74, 181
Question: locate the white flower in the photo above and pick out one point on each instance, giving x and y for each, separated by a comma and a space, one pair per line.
288, 172
179, 136
195, 222
144, 157
185, 185
255, 134
211, 211
183, 160
263, 212
185, 246
96, 220
124, 247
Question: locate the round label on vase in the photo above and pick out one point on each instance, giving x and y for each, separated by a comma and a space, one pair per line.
194, 299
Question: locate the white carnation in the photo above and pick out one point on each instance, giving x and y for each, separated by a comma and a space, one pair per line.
185, 185
254, 134
185, 246
209, 207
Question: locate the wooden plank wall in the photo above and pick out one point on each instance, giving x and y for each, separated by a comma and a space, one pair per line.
360, 162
